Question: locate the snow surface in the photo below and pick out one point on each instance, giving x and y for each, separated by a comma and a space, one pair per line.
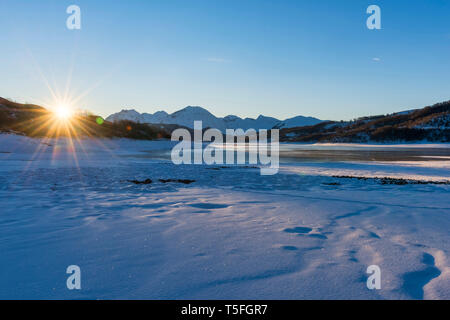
187, 116
232, 234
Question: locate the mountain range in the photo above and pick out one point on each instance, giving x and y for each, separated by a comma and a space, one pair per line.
430, 124
186, 117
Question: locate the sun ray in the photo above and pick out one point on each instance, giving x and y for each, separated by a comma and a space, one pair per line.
61, 125
44, 79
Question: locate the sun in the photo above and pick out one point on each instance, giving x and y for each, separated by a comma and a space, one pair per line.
63, 112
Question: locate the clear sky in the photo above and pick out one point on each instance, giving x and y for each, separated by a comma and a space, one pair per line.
279, 58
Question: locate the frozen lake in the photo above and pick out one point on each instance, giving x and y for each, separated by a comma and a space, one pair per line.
347, 152
231, 233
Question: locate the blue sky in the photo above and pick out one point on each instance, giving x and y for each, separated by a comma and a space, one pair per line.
245, 57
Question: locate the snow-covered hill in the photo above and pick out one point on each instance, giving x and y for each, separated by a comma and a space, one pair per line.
187, 116
431, 124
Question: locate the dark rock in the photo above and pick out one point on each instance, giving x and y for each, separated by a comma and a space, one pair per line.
184, 181
146, 181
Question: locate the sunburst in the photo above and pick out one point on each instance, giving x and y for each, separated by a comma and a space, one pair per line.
64, 125
63, 112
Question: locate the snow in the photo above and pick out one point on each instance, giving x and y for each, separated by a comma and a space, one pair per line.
233, 234
406, 112
131, 115
441, 122
298, 121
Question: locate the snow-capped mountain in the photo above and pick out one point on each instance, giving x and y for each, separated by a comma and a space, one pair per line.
299, 121
131, 115
187, 116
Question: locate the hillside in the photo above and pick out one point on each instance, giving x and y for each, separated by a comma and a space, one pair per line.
36, 121
428, 124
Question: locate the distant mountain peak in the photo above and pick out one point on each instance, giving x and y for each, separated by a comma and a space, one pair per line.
129, 111
193, 110
160, 113
187, 116
231, 118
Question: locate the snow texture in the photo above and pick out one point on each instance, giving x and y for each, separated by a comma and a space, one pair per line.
232, 234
